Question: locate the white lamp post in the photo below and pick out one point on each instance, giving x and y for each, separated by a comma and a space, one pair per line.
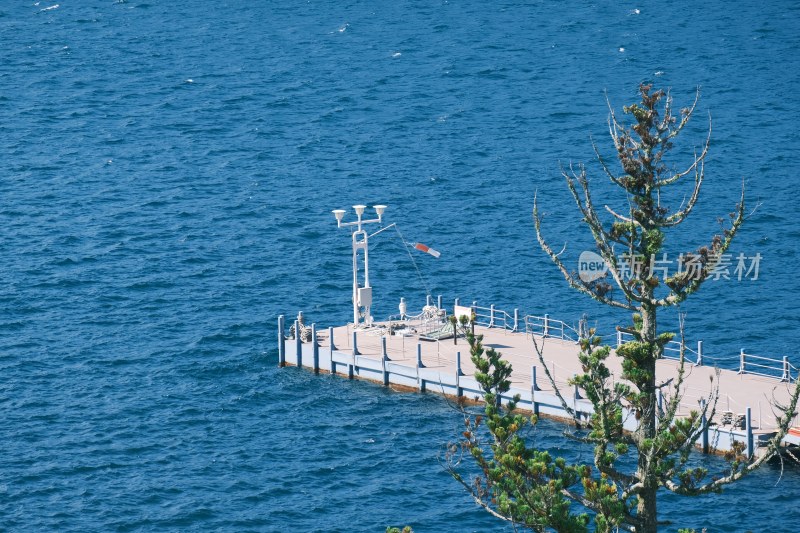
362, 294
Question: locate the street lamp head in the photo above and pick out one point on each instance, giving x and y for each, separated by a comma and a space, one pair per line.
339, 214
379, 209
359, 209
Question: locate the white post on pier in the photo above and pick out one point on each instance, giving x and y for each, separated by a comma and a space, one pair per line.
699, 353
315, 348
534, 388
704, 427
491, 316
619, 338
787, 376
546, 329
748, 421
428, 300
516, 320
660, 399
384, 362
281, 342
352, 366
298, 344
420, 381
439, 302
330, 339
459, 390
741, 361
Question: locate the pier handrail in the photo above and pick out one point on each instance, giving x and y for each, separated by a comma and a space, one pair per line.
545, 326
767, 366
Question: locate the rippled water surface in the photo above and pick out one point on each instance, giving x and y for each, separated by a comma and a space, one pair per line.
169, 171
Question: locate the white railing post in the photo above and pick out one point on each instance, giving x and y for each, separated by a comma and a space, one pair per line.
420, 381
298, 344
704, 427
455, 304
534, 388
459, 390
315, 348
741, 361
491, 316
699, 353
281, 342
439, 301
428, 300
384, 362
786, 374
619, 338
749, 428
516, 319
546, 328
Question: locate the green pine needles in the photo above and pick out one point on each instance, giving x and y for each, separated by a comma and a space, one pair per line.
618, 489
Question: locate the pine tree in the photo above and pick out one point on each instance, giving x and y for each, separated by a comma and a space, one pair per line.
529, 487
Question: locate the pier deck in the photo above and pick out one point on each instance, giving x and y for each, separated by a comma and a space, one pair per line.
445, 367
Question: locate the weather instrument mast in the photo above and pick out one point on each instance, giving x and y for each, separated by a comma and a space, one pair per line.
362, 294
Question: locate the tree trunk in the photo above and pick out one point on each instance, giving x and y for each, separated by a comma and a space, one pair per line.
646, 509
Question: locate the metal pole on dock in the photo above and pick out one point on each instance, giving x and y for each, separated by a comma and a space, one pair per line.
516, 320
298, 344
456, 302
352, 366
741, 361
439, 301
315, 347
428, 300
699, 353
384, 359
330, 339
704, 427
619, 339
491, 316
534, 388
660, 399
420, 381
459, 390
786, 375
749, 427
281, 342
546, 325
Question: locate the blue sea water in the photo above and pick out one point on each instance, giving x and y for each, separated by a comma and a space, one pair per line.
169, 171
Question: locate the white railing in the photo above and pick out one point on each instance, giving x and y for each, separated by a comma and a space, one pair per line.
544, 326
766, 366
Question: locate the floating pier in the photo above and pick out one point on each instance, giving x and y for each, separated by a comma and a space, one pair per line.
417, 353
